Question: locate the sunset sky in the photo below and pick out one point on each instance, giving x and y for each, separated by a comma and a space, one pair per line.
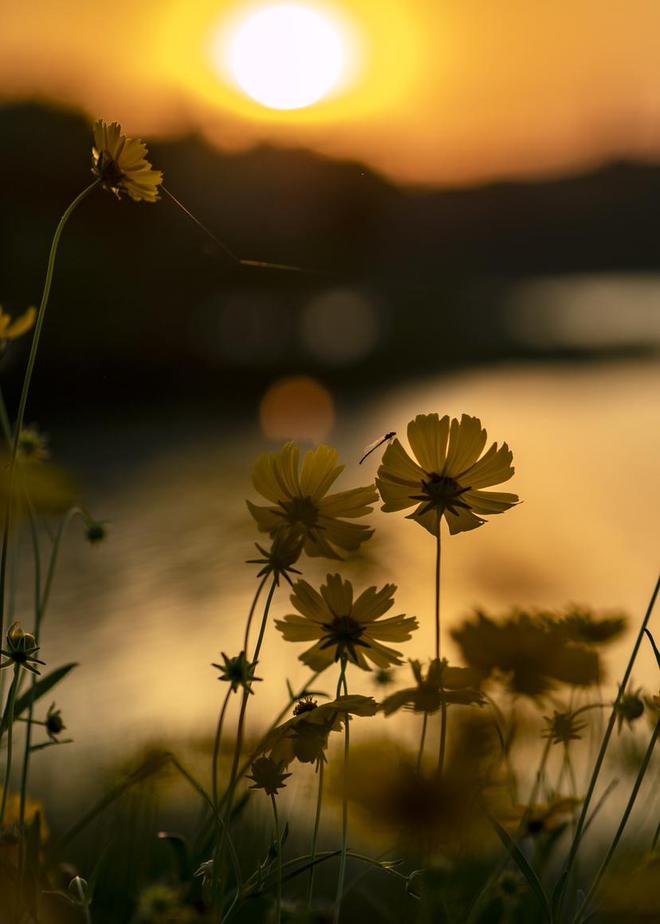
432, 91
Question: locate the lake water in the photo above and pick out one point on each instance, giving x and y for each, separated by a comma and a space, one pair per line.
148, 610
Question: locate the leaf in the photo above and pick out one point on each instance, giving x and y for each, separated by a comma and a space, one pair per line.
40, 688
524, 866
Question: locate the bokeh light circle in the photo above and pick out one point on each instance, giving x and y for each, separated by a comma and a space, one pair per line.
297, 408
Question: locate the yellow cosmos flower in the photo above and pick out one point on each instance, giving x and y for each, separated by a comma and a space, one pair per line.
344, 627
12, 330
301, 503
122, 164
305, 736
447, 478
441, 684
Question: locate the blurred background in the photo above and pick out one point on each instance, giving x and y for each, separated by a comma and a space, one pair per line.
474, 204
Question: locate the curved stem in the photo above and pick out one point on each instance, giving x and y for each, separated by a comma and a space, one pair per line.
622, 824
443, 738
216, 748
437, 592
315, 835
344, 802
264, 620
11, 700
604, 745
27, 379
422, 740
41, 602
233, 777
37, 625
248, 624
278, 912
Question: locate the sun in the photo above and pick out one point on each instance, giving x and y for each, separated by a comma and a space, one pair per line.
286, 56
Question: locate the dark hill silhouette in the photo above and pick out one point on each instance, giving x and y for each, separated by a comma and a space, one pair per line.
138, 288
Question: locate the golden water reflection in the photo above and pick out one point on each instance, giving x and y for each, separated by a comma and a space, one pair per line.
146, 612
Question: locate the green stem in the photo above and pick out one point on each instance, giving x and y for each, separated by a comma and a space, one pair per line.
5, 422
233, 777
604, 745
344, 801
422, 740
37, 625
437, 592
278, 913
315, 835
443, 738
41, 602
251, 613
264, 620
622, 824
11, 700
216, 748
27, 379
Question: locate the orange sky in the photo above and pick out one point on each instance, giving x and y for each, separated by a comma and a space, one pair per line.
444, 91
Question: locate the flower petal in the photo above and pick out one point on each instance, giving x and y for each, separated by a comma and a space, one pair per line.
319, 471
338, 595
488, 502
372, 603
309, 602
493, 468
296, 628
427, 435
467, 439
462, 521
353, 503
394, 629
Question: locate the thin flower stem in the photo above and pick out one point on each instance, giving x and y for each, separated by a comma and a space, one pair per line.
437, 592
264, 620
278, 912
344, 801
216, 748
622, 824
603, 748
41, 602
248, 624
422, 740
11, 700
234, 777
443, 738
315, 835
4, 421
27, 379
656, 837
37, 625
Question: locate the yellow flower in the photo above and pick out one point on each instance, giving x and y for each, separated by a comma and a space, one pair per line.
447, 478
122, 165
301, 504
345, 628
304, 737
442, 684
12, 330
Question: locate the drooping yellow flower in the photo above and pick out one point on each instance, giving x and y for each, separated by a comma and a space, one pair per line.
302, 506
447, 478
12, 330
304, 737
442, 684
122, 165
344, 627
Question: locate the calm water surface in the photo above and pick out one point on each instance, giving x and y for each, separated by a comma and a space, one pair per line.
146, 612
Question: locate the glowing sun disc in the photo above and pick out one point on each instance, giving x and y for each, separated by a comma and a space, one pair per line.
286, 56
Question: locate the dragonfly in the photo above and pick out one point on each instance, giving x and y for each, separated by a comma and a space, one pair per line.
376, 443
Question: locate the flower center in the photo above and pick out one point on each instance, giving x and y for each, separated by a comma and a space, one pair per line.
301, 511
441, 493
344, 632
304, 705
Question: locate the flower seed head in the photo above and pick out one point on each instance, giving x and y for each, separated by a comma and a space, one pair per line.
268, 775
